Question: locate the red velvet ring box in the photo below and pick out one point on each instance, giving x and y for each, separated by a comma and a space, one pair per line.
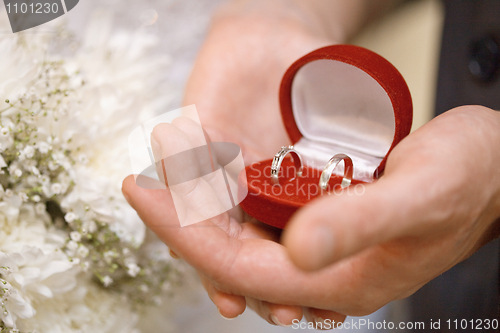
337, 99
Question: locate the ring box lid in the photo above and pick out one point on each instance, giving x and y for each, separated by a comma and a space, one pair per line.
345, 99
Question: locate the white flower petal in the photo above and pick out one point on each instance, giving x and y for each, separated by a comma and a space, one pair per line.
2, 162
43, 290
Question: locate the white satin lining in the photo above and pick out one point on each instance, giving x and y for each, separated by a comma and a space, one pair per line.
339, 108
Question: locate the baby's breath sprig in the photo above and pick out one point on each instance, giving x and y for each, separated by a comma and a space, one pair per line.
118, 265
62, 125
37, 163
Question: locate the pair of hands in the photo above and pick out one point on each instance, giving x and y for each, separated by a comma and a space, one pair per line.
436, 204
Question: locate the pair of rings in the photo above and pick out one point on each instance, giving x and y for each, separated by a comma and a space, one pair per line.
325, 175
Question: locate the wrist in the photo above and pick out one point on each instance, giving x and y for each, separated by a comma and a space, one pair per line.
292, 14
337, 20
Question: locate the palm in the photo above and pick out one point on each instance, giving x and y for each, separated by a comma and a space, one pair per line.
405, 230
235, 83
252, 120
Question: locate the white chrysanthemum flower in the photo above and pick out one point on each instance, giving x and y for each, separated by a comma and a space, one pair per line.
34, 276
3, 164
15, 306
9, 208
86, 308
83, 159
63, 171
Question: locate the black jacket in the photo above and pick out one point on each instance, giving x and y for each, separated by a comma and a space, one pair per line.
469, 74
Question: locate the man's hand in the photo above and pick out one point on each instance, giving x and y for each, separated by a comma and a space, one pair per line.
433, 208
436, 204
251, 43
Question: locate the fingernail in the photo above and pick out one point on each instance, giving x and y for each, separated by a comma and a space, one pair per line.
319, 320
223, 316
276, 321
173, 254
322, 246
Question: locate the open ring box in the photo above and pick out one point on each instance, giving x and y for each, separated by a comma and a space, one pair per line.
337, 99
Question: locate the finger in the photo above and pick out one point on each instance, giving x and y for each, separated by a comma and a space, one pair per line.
201, 245
198, 192
210, 161
258, 230
426, 190
275, 314
334, 227
323, 319
175, 142
229, 306
210, 249
207, 157
196, 134
337, 226
255, 267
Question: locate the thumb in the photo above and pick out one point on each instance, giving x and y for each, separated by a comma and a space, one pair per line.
339, 225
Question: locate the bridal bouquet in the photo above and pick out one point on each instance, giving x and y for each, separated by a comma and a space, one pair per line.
74, 257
